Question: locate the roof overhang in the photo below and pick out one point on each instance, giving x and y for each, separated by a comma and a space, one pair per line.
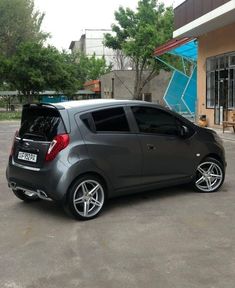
184, 47
215, 19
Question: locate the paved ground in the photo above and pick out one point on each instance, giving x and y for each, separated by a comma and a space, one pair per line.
170, 238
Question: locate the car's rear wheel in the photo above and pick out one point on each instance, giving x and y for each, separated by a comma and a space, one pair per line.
209, 175
86, 197
21, 194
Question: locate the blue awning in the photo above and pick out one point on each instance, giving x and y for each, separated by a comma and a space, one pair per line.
188, 50
181, 93
185, 47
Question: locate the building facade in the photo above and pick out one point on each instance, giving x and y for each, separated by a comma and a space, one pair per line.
92, 42
120, 85
212, 22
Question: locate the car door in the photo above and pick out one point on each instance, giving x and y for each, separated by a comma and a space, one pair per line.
113, 147
166, 155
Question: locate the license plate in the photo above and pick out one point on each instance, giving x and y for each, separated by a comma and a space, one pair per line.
27, 156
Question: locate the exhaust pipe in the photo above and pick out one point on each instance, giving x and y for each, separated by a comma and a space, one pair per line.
41, 194
12, 185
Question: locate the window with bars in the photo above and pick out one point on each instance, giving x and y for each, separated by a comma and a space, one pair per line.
220, 84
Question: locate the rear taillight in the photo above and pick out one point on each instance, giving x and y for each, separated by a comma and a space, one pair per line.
13, 143
58, 143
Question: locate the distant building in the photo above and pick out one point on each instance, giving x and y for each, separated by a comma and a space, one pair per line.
93, 86
120, 85
92, 42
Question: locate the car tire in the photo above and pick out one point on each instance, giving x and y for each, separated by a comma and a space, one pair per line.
86, 198
26, 198
209, 176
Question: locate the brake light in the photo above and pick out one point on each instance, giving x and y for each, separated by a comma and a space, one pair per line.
13, 142
57, 144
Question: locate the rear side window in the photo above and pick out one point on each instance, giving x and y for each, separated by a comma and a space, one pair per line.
41, 123
111, 120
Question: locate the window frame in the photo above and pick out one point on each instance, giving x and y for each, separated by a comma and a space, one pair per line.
216, 68
91, 120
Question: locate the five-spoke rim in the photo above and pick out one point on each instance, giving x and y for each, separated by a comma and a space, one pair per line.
88, 198
209, 176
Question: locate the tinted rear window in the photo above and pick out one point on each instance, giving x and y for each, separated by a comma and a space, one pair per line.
41, 123
110, 120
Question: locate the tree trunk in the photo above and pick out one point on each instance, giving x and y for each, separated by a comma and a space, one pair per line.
142, 78
29, 97
137, 86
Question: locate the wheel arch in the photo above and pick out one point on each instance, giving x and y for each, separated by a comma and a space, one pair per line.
215, 156
105, 182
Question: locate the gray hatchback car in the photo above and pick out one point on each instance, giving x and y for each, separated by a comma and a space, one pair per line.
81, 153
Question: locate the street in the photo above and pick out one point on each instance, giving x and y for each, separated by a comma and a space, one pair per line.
160, 239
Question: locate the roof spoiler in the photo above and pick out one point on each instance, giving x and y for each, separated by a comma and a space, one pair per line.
48, 105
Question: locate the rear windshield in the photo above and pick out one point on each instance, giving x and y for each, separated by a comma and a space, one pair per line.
41, 123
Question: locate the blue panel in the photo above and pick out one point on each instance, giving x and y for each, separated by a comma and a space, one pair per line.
188, 50
174, 92
54, 99
190, 93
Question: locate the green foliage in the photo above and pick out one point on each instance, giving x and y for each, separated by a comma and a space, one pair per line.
89, 68
29, 67
19, 23
96, 67
10, 115
138, 33
3, 65
35, 68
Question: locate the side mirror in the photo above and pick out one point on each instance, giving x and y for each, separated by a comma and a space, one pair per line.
183, 131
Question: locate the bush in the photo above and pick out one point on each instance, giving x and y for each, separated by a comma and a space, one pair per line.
10, 115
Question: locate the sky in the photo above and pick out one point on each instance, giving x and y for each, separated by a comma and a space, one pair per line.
66, 20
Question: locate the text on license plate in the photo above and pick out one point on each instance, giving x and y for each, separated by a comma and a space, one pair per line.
27, 156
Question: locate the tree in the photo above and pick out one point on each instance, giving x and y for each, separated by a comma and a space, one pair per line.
89, 68
35, 68
19, 23
3, 65
122, 61
96, 67
137, 33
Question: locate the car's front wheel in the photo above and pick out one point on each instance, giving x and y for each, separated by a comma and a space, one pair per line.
86, 197
209, 175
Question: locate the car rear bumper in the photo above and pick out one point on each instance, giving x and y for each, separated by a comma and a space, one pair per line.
46, 183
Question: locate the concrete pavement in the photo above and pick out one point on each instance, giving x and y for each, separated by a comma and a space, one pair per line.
160, 239
227, 135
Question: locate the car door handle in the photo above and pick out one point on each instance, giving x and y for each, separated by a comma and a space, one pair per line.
151, 147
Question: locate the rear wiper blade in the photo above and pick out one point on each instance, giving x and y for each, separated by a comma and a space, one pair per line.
35, 137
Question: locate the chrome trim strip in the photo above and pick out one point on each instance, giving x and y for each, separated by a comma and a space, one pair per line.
25, 167
30, 140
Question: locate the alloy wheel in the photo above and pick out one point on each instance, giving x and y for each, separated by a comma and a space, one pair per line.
88, 198
209, 176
